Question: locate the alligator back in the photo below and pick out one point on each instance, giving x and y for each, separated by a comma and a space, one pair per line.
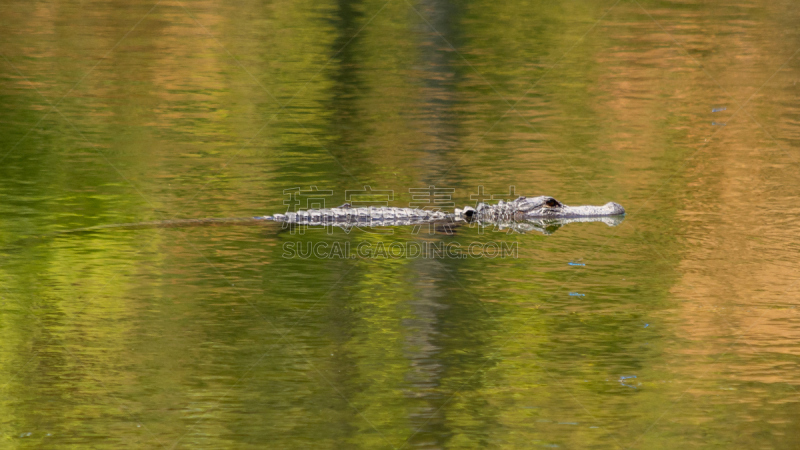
360, 216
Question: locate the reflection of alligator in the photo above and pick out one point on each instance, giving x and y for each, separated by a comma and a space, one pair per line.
542, 213
549, 226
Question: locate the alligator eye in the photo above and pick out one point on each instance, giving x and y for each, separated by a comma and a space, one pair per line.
469, 213
552, 203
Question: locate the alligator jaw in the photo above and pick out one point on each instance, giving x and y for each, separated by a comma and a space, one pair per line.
566, 212
551, 225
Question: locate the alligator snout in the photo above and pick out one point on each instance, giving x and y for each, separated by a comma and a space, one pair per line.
615, 208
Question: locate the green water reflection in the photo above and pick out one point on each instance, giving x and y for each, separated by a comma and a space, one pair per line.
680, 329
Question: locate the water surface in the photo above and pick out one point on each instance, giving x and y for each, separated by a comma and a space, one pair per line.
675, 329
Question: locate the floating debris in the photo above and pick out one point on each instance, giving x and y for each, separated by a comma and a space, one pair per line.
576, 264
646, 325
567, 423
718, 109
576, 294
623, 378
719, 124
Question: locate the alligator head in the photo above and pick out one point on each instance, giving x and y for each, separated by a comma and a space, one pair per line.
547, 207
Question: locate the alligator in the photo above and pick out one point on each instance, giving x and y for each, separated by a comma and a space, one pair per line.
541, 213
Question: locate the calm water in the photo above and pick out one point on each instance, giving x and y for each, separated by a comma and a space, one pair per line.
679, 329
